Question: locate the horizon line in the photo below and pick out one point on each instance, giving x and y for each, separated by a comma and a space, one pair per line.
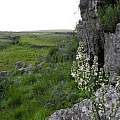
49, 30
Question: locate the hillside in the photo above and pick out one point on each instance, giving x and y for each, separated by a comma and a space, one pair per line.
35, 77
64, 74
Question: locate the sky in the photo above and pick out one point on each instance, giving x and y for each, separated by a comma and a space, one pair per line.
28, 15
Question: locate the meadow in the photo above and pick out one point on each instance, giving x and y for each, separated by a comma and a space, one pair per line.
45, 89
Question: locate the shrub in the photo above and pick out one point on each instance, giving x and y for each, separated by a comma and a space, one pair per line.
109, 16
63, 52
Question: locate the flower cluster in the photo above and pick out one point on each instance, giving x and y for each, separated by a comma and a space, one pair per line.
86, 76
106, 97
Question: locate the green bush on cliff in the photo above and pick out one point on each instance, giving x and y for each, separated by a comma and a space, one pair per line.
109, 16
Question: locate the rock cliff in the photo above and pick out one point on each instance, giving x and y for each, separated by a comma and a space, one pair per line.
106, 46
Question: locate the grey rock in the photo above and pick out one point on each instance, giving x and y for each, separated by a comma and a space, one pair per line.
83, 5
107, 99
107, 102
19, 64
112, 54
80, 111
106, 46
3, 74
39, 66
90, 31
25, 70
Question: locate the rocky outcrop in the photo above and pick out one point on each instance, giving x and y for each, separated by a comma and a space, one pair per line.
108, 52
80, 111
90, 31
98, 43
112, 54
106, 46
106, 106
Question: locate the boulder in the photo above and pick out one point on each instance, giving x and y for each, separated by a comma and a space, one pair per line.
23, 70
19, 64
22, 67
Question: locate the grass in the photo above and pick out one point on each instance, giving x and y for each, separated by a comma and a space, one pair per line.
24, 50
10, 56
36, 95
4, 44
43, 39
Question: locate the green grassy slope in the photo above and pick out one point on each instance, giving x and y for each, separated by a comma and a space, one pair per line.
36, 95
27, 50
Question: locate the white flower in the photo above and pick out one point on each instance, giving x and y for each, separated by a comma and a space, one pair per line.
84, 109
73, 74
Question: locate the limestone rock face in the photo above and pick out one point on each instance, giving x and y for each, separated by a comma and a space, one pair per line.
83, 5
80, 111
106, 46
112, 53
89, 30
106, 106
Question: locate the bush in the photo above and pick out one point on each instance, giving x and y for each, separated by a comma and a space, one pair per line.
109, 16
4, 84
63, 52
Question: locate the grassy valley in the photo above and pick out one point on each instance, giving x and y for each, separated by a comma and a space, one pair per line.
47, 85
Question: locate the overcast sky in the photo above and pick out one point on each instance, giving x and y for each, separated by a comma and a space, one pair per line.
21, 15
